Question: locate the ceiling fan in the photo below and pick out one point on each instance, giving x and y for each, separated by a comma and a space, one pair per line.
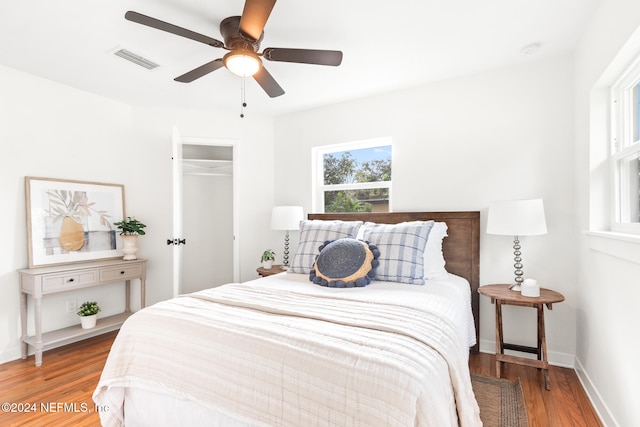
242, 36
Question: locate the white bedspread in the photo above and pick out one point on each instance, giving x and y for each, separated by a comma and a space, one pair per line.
282, 351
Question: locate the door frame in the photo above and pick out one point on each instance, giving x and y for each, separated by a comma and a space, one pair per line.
178, 142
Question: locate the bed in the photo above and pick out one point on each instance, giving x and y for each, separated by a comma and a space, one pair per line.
284, 350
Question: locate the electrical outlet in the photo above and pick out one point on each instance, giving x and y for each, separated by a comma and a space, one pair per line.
71, 306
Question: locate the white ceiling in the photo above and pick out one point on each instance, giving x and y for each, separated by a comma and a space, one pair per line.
387, 45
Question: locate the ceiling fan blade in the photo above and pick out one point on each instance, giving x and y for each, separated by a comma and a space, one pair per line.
170, 28
202, 70
254, 17
304, 56
268, 83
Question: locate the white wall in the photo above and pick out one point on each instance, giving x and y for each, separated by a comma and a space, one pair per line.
51, 130
459, 144
152, 135
47, 130
608, 293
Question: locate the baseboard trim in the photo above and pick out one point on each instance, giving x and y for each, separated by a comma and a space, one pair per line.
606, 417
10, 355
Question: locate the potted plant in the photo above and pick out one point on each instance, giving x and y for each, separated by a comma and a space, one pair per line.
130, 228
88, 313
267, 258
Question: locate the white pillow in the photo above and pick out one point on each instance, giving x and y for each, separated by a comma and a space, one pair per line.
433, 257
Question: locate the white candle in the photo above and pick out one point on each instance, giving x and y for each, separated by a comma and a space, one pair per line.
530, 288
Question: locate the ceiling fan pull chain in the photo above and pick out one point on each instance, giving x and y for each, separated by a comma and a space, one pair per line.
243, 102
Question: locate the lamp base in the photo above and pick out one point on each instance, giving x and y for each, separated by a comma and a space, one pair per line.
517, 259
284, 267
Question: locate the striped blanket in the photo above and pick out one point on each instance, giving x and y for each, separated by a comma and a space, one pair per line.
288, 353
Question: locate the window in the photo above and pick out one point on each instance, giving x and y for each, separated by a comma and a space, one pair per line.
353, 177
625, 151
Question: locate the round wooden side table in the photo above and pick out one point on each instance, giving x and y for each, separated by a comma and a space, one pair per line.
502, 295
264, 272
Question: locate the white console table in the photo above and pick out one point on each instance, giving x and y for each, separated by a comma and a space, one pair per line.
38, 282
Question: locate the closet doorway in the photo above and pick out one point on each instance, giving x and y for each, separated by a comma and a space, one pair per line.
205, 219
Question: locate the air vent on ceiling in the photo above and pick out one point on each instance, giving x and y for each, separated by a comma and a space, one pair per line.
136, 59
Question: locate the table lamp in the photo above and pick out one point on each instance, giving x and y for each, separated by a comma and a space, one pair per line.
517, 218
286, 218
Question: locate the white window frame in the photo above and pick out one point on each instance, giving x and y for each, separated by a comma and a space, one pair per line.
317, 181
623, 146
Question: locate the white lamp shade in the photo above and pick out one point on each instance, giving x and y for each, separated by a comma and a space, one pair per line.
286, 217
517, 218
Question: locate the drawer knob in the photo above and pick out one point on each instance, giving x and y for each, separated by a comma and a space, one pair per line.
71, 280
122, 272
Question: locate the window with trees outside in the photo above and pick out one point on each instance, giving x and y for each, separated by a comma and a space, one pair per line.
353, 177
625, 151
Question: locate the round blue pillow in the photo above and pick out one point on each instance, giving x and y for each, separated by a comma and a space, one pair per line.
345, 263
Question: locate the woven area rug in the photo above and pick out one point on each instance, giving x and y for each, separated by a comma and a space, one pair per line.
501, 402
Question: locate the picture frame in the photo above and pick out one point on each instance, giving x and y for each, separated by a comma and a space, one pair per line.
72, 221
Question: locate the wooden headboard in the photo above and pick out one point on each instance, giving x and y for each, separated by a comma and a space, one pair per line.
461, 249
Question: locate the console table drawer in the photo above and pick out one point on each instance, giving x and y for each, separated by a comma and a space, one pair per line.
69, 281
120, 273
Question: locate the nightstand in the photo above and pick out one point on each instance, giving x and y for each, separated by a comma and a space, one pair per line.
264, 272
502, 295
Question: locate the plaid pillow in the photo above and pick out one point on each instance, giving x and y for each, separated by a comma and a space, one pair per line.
401, 250
313, 234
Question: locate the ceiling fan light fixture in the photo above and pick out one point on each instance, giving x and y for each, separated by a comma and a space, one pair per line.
242, 63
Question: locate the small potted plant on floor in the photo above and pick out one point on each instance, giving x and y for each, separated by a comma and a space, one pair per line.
267, 258
130, 228
88, 313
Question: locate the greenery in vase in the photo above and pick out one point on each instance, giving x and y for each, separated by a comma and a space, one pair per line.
130, 226
268, 255
88, 308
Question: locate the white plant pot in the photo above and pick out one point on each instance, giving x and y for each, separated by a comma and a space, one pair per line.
130, 247
88, 322
267, 264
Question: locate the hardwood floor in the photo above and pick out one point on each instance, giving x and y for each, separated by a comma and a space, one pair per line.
565, 405
59, 392
68, 375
